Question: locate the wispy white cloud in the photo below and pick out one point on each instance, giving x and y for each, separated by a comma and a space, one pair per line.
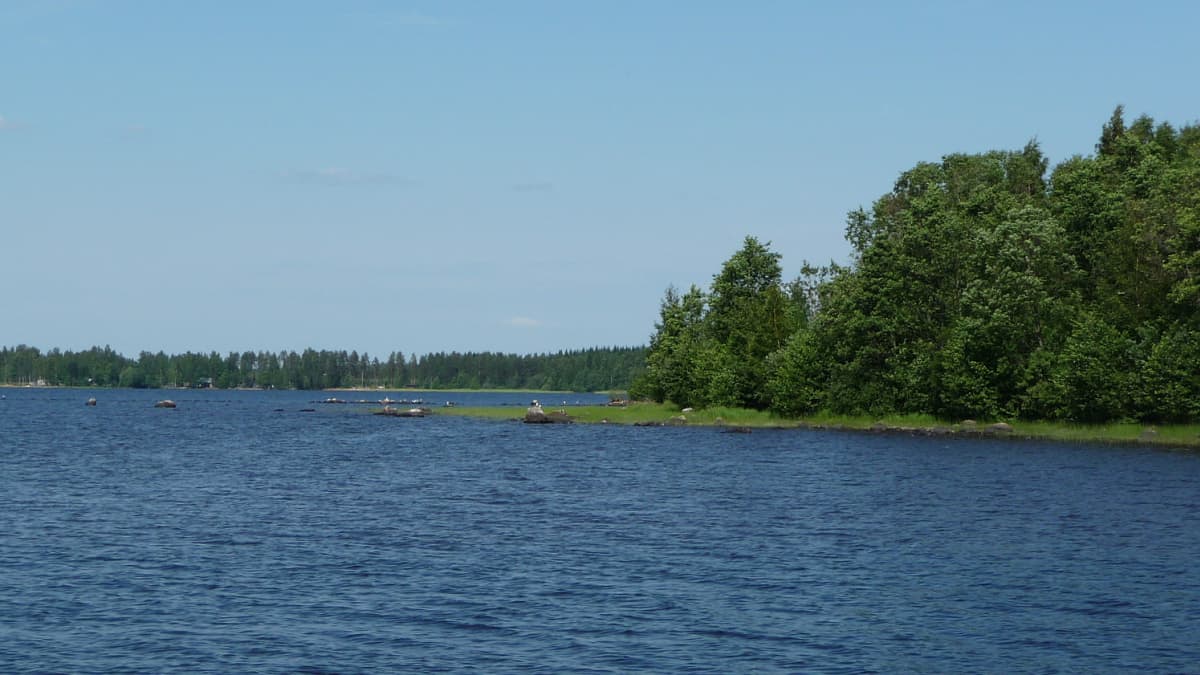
337, 175
7, 124
523, 322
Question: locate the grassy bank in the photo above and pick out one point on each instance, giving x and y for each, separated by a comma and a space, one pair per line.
656, 413
419, 390
634, 413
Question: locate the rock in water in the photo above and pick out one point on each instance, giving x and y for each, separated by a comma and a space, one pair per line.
542, 417
396, 412
166, 403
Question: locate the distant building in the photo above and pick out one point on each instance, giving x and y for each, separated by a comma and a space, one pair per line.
204, 383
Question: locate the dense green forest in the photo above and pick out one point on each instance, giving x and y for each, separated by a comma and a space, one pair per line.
597, 369
979, 286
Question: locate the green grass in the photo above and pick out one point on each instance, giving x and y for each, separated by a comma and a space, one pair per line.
826, 419
1163, 435
634, 413
1183, 435
419, 390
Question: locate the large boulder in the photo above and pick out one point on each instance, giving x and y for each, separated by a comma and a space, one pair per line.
540, 416
403, 412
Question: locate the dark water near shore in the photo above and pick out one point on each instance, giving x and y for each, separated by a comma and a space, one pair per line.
237, 534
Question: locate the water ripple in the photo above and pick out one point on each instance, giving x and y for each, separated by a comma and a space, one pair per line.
226, 537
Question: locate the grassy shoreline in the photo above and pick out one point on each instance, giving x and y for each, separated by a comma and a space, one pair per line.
388, 390
1166, 436
1181, 436
453, 391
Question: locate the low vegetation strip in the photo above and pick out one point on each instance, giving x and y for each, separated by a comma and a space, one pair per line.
655, 414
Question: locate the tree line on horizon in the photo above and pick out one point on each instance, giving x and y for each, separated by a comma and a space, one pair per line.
979, 286
595, 369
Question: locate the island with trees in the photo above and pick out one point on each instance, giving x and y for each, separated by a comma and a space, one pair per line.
982, 286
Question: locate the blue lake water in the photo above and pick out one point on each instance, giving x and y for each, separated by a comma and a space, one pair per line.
239, 534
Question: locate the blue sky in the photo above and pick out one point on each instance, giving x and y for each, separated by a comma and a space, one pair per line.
498, 176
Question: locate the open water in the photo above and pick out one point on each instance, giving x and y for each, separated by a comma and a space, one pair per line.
239, 534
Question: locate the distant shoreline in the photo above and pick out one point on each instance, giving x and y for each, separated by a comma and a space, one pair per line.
1165, 436
388, 390
465, 391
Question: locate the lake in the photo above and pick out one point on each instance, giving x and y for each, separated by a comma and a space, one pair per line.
237, 533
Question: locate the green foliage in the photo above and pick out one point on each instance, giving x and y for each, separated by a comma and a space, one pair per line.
796, 384
713, 349
1016, 305
675, 350
742, 286
747, 321
1169, 383
1091, 376
981, 289
597, 369
132, 376
888, 321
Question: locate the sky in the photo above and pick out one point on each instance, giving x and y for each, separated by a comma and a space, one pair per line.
512, 176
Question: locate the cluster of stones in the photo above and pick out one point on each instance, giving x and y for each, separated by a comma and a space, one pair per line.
535, 414
680, 420
676, 421
389, 411
964, 428
543, 417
